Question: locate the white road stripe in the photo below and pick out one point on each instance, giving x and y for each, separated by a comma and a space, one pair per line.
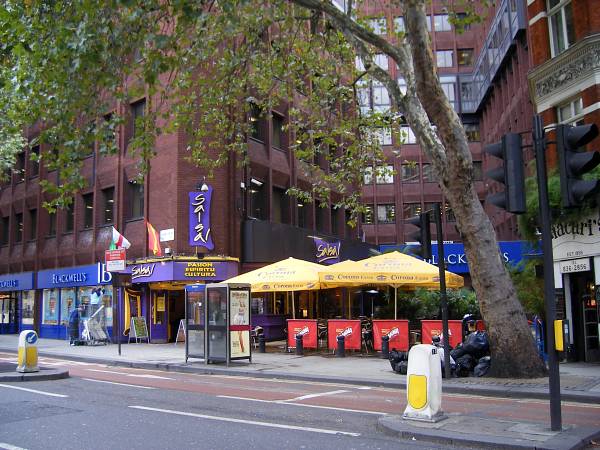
10, 447
120, 384
131, 374
247, 422
304, 397
284, 402
50, 394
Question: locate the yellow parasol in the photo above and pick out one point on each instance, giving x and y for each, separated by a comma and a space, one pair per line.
287, 275
392, 269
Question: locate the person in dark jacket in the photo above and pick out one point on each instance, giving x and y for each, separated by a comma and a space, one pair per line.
74, 324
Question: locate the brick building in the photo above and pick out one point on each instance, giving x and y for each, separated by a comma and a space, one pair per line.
564, 85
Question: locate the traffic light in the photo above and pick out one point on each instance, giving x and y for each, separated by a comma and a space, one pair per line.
573, 162
423, 236
511, 174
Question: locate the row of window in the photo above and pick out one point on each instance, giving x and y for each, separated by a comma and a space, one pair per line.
440, 22
86, 205
410, 172
443, 59
386, 213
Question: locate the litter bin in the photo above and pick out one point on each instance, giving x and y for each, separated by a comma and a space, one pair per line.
28, 354
424, 384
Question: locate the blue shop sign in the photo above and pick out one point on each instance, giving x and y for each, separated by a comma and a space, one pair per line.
91, 275
16, 281
512, 252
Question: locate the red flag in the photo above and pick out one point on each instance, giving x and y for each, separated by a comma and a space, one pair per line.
153, 240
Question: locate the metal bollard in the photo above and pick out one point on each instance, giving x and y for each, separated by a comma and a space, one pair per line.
299, 346
28, 354
385, 347
341, 347
261, 343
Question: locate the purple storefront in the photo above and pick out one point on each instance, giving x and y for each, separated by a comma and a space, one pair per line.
157, 291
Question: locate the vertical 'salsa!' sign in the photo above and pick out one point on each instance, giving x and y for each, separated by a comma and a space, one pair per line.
200, 230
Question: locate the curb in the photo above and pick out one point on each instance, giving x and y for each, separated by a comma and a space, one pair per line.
43, 375
489, 391
573, 438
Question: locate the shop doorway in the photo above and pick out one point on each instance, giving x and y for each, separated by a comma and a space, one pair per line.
176, 312
586, 320
9, 323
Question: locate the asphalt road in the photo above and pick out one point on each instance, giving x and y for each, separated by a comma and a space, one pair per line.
102, 407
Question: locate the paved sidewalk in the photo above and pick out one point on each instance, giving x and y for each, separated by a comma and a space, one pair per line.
579, 382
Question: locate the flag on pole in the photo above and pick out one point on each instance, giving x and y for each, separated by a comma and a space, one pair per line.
118, 240
153, 240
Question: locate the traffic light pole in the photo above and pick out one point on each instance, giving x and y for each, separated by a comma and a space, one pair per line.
442, 268
539, 145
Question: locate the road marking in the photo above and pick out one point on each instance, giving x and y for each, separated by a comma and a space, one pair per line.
131, 374
119, 384
247, 422
10, 447
50, 394
285, 402
321, 394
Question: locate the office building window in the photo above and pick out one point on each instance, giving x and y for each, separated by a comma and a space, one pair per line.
381, 98
386, 213
402, 85
378, 25
450, 217
477, 171
429, 174
384, 175
88, 210
51, 224
407, 136
449, 87
32, 224
302, 214
570, 112
257, 123
34, 165
441, 23
428, 20
258, 199
278, 133
465, 57
382, 61
399, 25
69, 218
410, 172
281, 206
464, 26
444, 58
5, 230
562, 29
334, 220
19, 169
136, 200
472, 132
368, 215
383, 136
410, 210
137, 111
108, 197
18, 227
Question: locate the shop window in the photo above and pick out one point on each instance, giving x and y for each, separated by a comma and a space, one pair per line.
281, 206
51, 224
34, 165
5, 230
27, 307
386, 213
477, 171
562, 28
429, 173
68, 302
108, 198
410, 172
88, 210
32, 224
465, 57
18, 227
257, 123
410, 210
97, 301
278, 133
441, 23
50, 298
69, 218
136, 200
444, 58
